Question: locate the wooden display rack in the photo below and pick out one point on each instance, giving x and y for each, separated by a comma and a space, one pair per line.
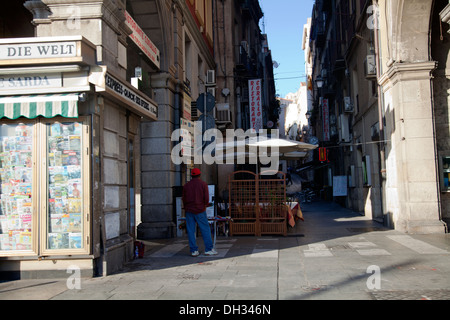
257, 203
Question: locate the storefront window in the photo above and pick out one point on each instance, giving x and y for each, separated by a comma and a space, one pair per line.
16, 175
65, 186
445, 163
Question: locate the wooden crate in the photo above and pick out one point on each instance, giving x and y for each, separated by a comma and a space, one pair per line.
273, 219
274, 228
257, 203
242, 228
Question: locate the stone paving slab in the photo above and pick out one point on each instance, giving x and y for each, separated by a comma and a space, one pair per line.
412, 295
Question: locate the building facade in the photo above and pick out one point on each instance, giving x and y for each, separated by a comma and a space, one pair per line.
71, 130
116, 79
242, 55
183, 32
219, 49
380, 97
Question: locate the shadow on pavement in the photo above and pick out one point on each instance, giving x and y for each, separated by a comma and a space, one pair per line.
323, 221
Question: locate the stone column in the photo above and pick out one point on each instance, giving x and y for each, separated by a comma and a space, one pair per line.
412, 188
158, 171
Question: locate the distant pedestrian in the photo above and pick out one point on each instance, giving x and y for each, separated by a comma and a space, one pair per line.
288, 178
195, 201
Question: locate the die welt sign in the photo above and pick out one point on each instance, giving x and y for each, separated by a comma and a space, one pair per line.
38, 50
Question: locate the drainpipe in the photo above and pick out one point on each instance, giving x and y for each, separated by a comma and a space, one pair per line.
177, 93
238, 106
381, 145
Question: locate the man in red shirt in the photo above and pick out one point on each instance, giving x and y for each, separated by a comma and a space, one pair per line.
195, 201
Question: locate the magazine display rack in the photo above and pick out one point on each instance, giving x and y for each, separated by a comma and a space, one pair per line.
16, 177
44, 176
257, 203
64, 186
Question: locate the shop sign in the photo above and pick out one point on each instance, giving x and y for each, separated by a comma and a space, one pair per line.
38, 50
187, 110
141, 39
187, 138
35, 81
326, 120
130, 96
255, 104
340, 186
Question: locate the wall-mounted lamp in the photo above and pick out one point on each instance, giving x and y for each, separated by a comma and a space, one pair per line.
308, 115
319, 82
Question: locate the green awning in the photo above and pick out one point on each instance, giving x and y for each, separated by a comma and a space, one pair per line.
48, 106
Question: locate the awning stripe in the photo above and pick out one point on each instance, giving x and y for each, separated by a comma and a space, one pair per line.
48, 106
33, 113
17, 110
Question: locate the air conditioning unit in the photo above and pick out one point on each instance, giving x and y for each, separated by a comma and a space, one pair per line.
344, 129
211, 78
348, 105
370, 66
223, 113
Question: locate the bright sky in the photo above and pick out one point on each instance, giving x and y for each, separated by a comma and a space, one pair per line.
283, 22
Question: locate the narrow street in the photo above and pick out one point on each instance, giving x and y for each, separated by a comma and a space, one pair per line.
334, 254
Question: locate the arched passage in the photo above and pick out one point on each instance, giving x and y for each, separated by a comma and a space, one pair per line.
440, 49
412, 184
411, 23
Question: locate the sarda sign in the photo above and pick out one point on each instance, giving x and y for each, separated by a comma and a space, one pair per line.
12, 82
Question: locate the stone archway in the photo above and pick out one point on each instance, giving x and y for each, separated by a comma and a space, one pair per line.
411, 29
159, 20
412, 184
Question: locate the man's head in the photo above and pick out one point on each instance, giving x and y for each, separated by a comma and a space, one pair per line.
195, 173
